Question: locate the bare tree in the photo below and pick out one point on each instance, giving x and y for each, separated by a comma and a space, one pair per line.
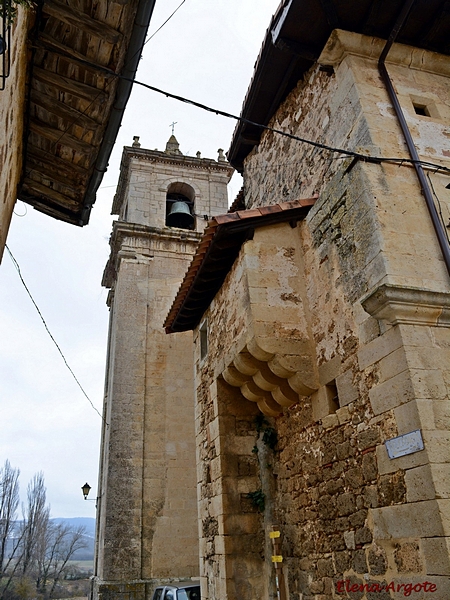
62, 542
9, 501
35, 549
35, 522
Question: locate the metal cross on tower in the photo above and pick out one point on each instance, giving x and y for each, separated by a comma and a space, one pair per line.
173, 126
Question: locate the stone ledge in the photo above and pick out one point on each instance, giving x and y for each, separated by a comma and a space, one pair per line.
410, 306
342, 43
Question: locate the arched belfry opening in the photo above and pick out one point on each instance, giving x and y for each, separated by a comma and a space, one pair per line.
180, 203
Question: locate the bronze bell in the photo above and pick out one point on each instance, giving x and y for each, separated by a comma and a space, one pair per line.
180, 216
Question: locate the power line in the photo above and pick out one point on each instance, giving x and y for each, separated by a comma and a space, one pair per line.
16, 265
444, 227
166, 21
358, 155
333, 149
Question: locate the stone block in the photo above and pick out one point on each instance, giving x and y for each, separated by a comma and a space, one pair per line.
330, 421
249, 523
417, 519
419, 484
392, 393
392, 365
429, 384
408, 416
323, 402
436, 552
343, 414
329, 370
347, 392
441, 411
379, 348
213, 429
437, 444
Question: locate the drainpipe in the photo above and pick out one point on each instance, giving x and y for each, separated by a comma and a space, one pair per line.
438, 227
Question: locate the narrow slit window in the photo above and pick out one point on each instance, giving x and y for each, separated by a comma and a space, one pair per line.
203, 340
333, 398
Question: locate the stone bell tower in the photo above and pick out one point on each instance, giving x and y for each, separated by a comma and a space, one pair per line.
147, 521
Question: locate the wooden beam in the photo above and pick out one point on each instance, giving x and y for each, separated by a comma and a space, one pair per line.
51, 44
42, 191
46, 158
82, 21
64, 111
64, 84
52, 170
56, 211
306, 51
60, 137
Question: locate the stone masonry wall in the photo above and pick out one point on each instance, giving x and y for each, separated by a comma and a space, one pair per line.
350, 109
148, 492
147, 528
149, 175
12, 100
355, 523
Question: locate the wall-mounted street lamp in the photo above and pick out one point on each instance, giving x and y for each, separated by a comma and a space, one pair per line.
86, 489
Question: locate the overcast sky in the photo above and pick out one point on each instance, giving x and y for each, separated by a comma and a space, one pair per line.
206, 52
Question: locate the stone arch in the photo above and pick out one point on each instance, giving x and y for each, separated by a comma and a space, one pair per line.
181, 181
180, 190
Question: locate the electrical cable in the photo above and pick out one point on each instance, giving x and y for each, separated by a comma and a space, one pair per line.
107, 84
17, 267
333, 149
25, 213
166, 21
439, 207
358, 155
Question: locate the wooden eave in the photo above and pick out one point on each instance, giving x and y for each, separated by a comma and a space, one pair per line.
297, 35
216, 253
70, 121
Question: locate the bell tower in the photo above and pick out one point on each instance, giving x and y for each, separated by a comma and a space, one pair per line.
147, 519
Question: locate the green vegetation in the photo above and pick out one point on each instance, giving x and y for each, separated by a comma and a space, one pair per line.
9, 8
258, 499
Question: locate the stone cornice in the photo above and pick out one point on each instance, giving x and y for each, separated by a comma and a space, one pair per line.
342, 43
412, 306
177, 159
139, 239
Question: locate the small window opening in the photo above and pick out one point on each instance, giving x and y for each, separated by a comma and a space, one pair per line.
203, 340
421, 109
332, 397
207, 474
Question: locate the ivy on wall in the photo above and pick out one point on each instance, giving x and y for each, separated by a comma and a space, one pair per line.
8, 9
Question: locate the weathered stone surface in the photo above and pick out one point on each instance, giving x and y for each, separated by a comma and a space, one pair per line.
342, 506
149, 447
407, 557
377, 560
12, 109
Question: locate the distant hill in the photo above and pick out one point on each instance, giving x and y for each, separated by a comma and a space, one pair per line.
89, 524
